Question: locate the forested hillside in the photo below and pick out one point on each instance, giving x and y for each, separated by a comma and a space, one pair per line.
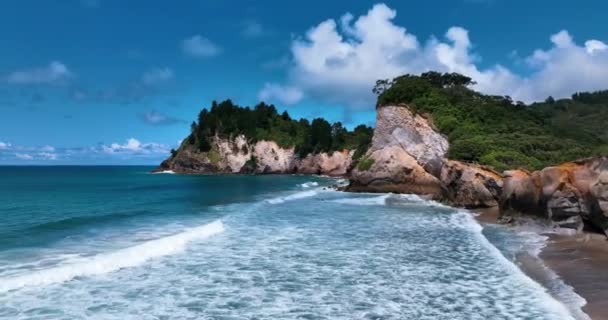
263, 122
496, 131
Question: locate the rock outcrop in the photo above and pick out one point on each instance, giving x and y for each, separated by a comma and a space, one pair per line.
337, 163
469, 185
570, 194
407, 155
398, 126
392, 169
262, 157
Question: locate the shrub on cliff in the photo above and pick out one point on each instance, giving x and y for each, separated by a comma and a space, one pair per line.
494, 130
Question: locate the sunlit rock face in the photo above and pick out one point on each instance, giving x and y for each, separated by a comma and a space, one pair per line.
570, 194
238, 155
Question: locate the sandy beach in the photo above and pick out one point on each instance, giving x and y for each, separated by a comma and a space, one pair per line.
579, 260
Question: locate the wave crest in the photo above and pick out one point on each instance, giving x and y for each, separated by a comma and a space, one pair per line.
109, 262
295, 196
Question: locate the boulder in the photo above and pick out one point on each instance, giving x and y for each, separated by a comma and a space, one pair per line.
392, 169
569, 194
566, 207
469, 185
599, 201
521, 193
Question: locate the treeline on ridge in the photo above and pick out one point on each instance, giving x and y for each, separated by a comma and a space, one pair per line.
501, 133
263, 122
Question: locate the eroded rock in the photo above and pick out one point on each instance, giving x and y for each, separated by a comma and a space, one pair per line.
394, 170
470, 186
398, 126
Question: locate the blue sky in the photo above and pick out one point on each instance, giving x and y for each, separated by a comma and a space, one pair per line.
118, 82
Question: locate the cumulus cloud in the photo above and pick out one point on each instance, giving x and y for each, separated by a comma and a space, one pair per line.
134, 146
339, 61
200, 47
157, 76
24, 156
284, 94
47, 148
157, 118
48, 156
4, 145
53, 74
564, 69
131, 151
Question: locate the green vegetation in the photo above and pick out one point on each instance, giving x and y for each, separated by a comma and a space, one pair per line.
263, 122
365, 164
494, 130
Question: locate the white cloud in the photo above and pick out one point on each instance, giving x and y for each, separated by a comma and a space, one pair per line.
340, 62
4, 145
24, 156
55, 73
134, 146
593, 46
284, 94
48, 156
156, 76
157, 118
199, 46
47, 148
564, 69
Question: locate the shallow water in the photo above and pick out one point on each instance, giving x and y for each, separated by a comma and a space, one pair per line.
118, 243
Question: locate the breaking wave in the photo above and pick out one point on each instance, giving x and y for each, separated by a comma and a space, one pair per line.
108, 262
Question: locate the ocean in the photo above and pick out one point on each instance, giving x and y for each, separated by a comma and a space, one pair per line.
122, 243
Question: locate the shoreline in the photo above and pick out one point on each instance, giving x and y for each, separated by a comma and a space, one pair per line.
578, 260
581, 261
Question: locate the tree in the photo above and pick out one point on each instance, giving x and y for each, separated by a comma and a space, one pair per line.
381, 86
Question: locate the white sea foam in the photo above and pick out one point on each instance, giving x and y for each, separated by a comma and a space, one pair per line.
309, 184
468, 222
366, 201
294, 196
165, 172
108, 262
535, 241
384, 199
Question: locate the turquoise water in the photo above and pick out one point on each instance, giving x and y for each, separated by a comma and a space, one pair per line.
120, 243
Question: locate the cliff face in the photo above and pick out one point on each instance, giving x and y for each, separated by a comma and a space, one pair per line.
240, 156
408, 155
569, 194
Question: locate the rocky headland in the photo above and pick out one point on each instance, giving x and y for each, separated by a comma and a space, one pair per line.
239, 156
433, 137
408, 155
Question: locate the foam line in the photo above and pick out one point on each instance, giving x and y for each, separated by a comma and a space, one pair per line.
467, 221
295, 196
108, 262
369, 201
309, 184
165, 172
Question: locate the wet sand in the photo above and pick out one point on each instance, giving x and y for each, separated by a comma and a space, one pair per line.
581, 261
